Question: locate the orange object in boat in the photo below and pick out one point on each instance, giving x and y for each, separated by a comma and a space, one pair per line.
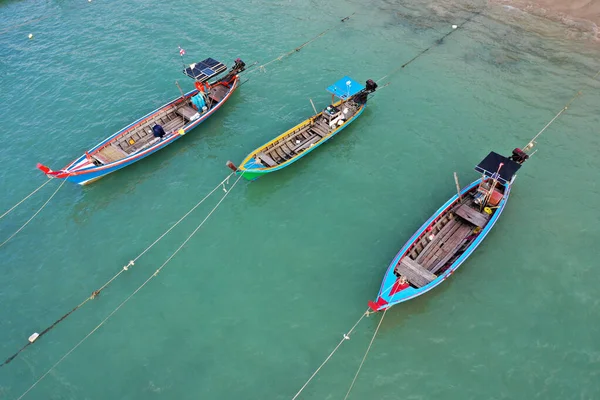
495, 198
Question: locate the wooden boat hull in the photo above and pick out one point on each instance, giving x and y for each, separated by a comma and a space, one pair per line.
252, 171
83, 172
394, 291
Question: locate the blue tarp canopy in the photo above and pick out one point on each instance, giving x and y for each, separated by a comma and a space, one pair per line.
345, 87
205, 69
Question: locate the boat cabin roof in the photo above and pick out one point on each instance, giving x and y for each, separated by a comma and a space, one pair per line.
489, 165
205, 69
345, 87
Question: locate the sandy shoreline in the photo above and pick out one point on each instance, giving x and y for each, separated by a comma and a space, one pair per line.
583, 15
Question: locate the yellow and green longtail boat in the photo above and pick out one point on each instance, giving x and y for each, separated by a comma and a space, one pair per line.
310, 134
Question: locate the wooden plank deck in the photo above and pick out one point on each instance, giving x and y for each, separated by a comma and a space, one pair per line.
414, 272
444, 251
448, 229
473, 216
187, 112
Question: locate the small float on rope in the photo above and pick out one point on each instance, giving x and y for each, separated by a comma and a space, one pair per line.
452, 233
305, 137
157, 129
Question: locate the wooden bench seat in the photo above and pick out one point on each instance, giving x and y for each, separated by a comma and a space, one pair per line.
414, 272
307, 143
266, 159
187, 112
471, 215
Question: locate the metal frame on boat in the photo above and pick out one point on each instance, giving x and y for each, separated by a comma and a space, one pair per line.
451, 234
305, 137
157, 129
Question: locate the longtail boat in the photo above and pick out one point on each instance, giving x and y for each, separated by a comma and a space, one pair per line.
452, 233
157, 129
305, 137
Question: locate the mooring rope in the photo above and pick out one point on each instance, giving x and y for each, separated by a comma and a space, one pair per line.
344, 338
437, 42
366, 353
36, 213
297, 49
531, 143
135, 291
28, 196
95, 293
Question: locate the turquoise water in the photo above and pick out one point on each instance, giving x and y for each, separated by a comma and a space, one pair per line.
260, 296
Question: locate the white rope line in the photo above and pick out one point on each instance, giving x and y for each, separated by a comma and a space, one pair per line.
34, 215
565, 108
346, 337
126, 267
132, 294
282, 56
30, 194
182, 218
366, 353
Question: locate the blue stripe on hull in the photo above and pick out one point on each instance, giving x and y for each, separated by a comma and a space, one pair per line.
410, 292
94, 174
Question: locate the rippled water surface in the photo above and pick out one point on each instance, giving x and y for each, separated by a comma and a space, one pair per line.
264, 291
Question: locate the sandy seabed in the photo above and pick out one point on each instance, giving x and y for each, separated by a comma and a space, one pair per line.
583, 15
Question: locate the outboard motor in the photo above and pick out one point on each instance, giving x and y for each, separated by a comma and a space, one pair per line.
519, 156
239, 65
371, 86
361, 97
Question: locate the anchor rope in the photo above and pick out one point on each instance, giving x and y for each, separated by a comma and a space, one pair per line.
297, 49
437, 42
366, 353
125, 268
28, 196
135, 291
36, 213
565, 108
344, 338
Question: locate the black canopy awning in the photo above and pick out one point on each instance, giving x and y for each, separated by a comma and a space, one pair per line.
489, 166
205, 69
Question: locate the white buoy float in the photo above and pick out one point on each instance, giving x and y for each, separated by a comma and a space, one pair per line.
30, 36
454, 26
33, 337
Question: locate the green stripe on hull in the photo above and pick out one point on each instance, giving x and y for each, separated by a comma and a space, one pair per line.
253, 175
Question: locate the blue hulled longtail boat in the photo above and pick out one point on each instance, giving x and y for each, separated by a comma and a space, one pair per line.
452, 233
157, 129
